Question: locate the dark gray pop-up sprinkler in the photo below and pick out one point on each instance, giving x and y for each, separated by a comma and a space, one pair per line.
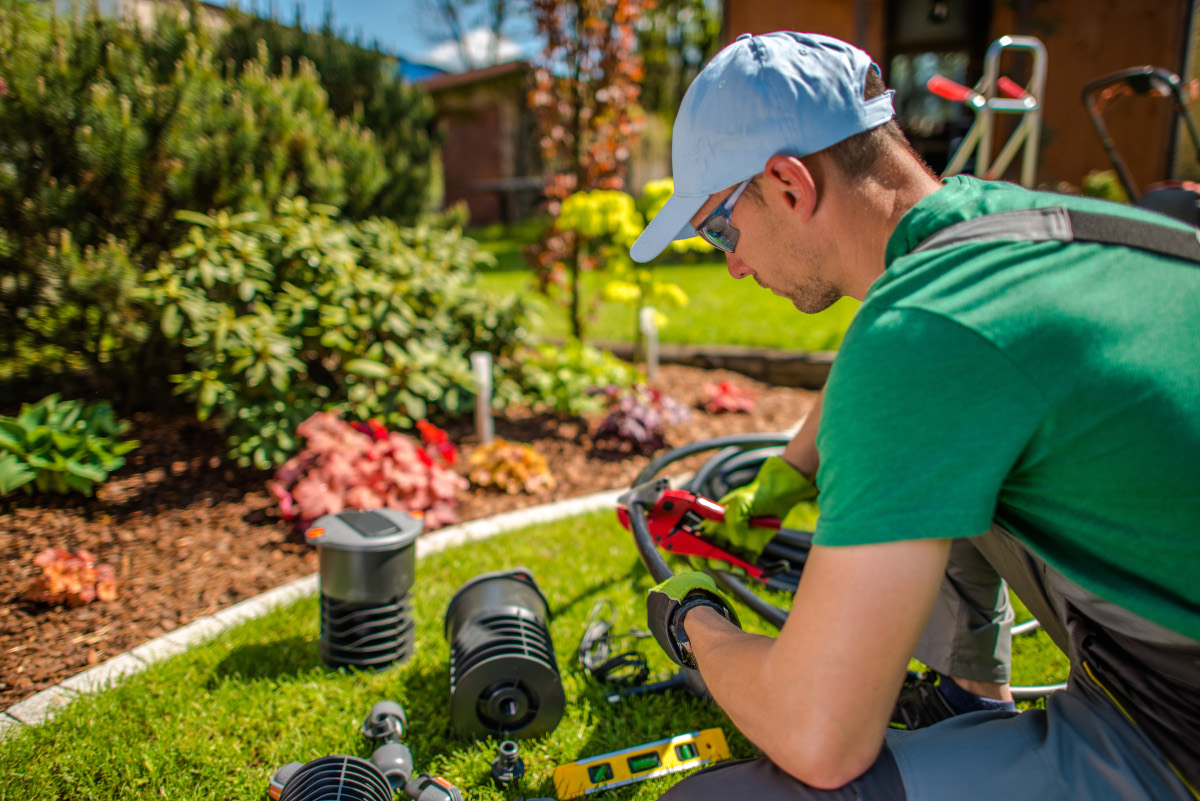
331, 778
503, 675
368, 560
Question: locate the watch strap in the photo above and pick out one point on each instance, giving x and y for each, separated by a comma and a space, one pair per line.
683, 645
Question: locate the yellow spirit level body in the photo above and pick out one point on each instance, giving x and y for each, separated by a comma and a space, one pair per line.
639, 763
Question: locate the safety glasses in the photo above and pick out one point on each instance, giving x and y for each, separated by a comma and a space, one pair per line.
716, 228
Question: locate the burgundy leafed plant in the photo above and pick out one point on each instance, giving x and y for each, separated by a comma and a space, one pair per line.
73, 579
365, 466
727, 396
637, 419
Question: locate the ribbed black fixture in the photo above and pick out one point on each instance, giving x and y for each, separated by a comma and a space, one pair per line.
368, 561
332, 778
503, 675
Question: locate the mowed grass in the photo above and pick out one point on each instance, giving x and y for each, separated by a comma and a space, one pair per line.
215, 723
720, 311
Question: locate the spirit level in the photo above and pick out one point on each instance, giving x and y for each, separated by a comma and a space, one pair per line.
642, 762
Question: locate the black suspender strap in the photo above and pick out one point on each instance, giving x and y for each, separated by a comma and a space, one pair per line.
1067, 225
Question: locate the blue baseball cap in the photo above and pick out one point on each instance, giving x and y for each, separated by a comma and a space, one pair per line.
782, 92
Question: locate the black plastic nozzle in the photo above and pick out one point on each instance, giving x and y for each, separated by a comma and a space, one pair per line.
507, 767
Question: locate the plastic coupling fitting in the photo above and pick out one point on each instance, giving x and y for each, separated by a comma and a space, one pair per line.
507, 767
395, 762
386, 722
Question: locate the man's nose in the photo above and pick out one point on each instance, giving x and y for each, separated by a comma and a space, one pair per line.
737, 267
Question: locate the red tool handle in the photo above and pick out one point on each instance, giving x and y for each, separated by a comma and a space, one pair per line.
1010, 88
674, 520
950, 90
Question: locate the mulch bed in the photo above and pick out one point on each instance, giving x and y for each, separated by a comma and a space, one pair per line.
188, 533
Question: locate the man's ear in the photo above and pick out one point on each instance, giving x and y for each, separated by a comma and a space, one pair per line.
790, 180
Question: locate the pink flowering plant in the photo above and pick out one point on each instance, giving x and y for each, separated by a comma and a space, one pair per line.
364, 466
71, 578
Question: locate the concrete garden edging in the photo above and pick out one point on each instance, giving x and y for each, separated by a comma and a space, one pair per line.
43, 706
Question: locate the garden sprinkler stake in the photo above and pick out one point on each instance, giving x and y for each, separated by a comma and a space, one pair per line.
368, 561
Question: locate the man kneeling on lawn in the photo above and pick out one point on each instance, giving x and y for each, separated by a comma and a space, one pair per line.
1018, 397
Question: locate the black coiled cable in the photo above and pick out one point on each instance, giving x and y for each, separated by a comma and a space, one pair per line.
736, 463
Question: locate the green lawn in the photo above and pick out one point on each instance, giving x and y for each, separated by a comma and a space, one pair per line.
720, 311
216, 722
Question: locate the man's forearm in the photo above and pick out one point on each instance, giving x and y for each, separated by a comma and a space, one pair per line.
817, 699
736, 667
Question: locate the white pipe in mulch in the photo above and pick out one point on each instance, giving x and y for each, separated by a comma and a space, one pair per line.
481, 365
650, 332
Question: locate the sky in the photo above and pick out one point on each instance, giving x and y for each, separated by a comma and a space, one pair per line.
408, 28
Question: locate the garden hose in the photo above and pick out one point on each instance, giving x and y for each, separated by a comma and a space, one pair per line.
735, 464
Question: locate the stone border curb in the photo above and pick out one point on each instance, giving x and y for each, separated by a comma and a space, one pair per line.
43, 706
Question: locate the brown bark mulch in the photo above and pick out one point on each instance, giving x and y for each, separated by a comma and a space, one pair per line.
189, 533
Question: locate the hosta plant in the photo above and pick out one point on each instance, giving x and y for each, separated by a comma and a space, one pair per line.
510, 466
61, 446
637, 419
349, 466
70, 578
726, 396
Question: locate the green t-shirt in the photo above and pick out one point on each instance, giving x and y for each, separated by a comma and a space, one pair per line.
1052, 388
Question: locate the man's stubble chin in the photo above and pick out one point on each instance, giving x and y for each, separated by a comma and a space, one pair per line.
811, 300
810, 292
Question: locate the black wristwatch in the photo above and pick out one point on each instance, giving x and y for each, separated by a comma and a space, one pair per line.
684, 649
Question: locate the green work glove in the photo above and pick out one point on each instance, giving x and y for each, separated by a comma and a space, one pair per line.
669, 602
774, 491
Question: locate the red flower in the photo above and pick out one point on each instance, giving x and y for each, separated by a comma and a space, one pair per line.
431, 434
372, 428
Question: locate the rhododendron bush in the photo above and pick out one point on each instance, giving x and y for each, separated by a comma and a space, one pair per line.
365, 466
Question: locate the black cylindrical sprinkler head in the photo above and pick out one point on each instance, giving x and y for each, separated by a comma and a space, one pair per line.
368, 560
503, 674
507, 767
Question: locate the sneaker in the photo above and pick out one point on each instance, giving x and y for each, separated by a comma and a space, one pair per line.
920, 703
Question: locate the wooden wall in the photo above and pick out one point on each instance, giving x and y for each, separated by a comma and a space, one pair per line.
860, 22
1084, 39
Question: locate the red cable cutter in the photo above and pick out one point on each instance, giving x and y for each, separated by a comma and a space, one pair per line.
674, 517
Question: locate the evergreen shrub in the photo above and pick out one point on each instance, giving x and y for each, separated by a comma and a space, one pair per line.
363, 84
108, 130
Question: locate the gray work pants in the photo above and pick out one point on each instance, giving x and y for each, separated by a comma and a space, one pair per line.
1079, 746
